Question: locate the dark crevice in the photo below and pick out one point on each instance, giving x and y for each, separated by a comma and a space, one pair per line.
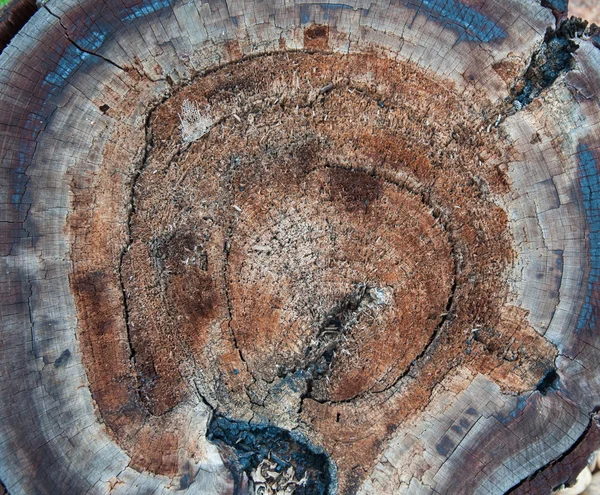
31, 323
553, 58
548, 382
334, 325
129, 241
14, 18
77, 45
138, 172
228, 177
226, 251
203, 399
331, 333
283, 458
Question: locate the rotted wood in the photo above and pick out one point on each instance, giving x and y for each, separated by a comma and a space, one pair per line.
299, 248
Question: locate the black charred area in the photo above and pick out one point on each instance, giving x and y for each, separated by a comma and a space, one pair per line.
14, 18
553, 58
3, 490
252, 444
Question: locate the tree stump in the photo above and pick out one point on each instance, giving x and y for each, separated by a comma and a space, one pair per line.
298, 248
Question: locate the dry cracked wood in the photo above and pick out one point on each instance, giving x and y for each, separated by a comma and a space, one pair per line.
298, 247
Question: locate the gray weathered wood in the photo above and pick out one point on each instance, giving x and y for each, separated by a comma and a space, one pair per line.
74, 56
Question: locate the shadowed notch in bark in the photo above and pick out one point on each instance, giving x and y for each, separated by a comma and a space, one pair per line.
552, 59
14, 18
251, 447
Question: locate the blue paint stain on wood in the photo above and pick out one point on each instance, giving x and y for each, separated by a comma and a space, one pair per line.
558, 5
333, 7
328, 8
73, 58
589, 180
145, 8
469, 23
93, 39
185, 482
445, 446
63, 358
456, 429
522, 402
305, 14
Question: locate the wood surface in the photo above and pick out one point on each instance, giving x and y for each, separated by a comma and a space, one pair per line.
368, 265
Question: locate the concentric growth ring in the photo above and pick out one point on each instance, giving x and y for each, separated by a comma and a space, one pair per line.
298, 248
306, 235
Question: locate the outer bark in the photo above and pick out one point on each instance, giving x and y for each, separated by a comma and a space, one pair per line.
79, 71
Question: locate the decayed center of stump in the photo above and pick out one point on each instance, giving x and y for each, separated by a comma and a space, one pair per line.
277, 243
314, 270
313, 244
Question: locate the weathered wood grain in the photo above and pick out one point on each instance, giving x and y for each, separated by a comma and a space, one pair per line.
83, 87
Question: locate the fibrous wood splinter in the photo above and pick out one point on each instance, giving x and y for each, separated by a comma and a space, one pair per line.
195, 123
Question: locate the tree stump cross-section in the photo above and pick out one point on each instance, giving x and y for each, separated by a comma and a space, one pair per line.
298, 248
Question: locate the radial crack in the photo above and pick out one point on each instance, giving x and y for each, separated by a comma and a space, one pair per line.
78, 46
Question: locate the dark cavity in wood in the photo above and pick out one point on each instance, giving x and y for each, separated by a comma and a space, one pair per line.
246, 445
553, 58
549, 382
331, 332
559, 9
14, 18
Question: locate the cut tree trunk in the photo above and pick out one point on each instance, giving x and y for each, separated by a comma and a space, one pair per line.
289, 247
